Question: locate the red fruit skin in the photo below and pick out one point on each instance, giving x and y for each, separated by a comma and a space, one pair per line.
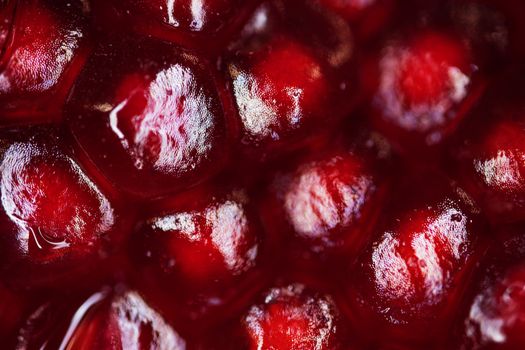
149, 116
198, 258
105, 320
284, 107
409, 282
292, 317
205, 25
318, 210
58, 224
41, 51
423, 87
494, 314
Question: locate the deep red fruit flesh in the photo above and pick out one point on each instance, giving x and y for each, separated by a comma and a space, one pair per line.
204, 249
425, 87
104, 320
412, 277
279, 105
205, 25
262, 174
494, 315
39, 56
318, 209
151, 120
490, 159
54, 218
292, 318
